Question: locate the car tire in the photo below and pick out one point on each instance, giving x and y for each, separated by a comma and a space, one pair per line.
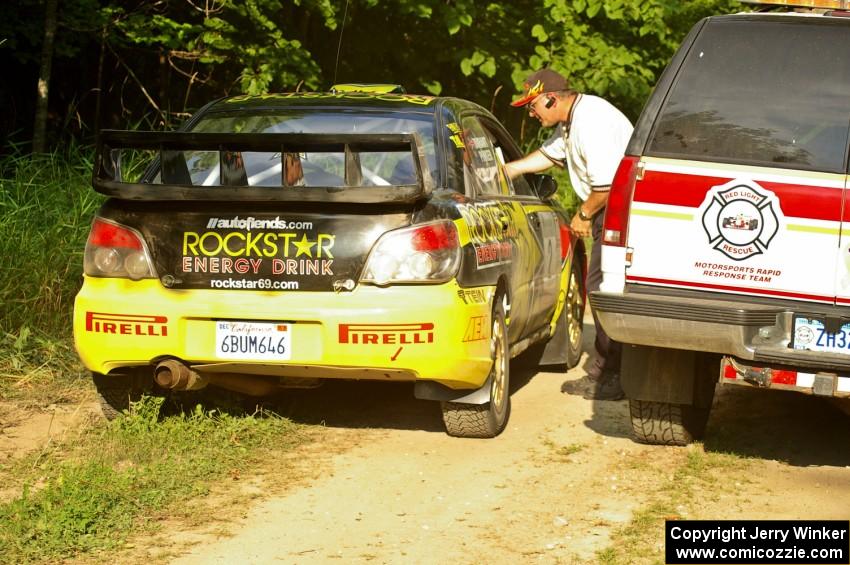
665, 423
486, 420
116, 392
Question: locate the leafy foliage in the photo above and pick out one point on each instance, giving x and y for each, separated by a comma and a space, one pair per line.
170, 57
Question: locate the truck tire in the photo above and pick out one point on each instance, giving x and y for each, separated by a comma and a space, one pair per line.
486, 420
665, 423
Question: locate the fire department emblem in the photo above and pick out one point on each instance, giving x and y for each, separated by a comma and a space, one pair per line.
740, 218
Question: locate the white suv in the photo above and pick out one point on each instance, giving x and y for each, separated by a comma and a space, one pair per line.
727, 232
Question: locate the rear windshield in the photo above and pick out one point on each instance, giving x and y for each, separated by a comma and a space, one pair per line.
375, 168
774, 93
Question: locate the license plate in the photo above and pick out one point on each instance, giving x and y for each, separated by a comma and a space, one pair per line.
811, 335
253, 341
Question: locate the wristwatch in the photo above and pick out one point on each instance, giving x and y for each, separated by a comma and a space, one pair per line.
582, 215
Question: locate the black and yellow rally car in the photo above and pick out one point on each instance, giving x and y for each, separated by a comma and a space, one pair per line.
284, 239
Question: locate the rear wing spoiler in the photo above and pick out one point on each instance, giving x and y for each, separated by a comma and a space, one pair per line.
167, 177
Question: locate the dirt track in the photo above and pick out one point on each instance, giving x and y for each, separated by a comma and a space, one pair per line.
553, 488
384, 484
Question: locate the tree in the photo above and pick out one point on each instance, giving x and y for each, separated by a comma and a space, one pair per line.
39, 143
154, 61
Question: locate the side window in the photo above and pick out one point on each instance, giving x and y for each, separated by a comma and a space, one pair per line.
481, 167
519, 185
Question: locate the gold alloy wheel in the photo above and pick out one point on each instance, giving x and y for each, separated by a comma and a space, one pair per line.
498, 388
575, 312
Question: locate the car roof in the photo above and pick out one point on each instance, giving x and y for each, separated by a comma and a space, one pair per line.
331, 101
779, 16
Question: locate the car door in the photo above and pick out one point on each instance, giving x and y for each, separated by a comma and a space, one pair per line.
505, 240
544, 225
534, 230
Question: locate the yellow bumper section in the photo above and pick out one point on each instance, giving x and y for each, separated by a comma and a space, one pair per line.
434, 332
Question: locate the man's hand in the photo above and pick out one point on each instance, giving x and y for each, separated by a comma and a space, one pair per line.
581, 227
589, 208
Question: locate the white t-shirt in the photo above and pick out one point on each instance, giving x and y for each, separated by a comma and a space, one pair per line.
592, 145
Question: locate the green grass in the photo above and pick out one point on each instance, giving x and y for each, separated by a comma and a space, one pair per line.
118, 479
89, 494
696, 474
46, 208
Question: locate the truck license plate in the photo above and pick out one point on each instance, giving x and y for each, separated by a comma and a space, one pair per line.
253, 341
811, 335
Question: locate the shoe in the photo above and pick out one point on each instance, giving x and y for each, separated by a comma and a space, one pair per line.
579, 387
607, 388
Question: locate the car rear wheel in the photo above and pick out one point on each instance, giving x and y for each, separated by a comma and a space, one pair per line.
486, 420
116, 392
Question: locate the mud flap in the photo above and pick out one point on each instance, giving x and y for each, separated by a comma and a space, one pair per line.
657, 374
555, 352
431, 390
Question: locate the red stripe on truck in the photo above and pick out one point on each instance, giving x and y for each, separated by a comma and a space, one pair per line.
796, 200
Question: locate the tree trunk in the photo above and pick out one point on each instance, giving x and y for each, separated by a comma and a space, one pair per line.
97, 108
39, 141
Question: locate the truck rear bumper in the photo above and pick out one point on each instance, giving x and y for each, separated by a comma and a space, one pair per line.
759, 332
818, 384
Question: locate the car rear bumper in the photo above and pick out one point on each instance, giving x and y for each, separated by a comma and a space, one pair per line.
430, 332
755, 331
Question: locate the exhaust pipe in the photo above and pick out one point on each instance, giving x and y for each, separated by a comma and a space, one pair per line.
174, 375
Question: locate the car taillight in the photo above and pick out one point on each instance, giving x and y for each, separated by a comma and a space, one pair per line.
422, 254
113, 250
619, 202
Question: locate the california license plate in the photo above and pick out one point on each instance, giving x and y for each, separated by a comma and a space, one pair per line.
253, 341
811, 335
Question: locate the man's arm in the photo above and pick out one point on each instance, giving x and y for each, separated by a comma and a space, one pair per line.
534, 162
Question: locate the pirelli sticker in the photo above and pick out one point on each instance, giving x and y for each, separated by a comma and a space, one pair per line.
387, 334
127, 324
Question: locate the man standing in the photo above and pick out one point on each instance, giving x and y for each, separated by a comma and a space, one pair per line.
590, 139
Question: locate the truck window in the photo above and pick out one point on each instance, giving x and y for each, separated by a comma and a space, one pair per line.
770, 93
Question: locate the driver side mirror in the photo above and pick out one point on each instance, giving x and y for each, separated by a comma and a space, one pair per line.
545, 186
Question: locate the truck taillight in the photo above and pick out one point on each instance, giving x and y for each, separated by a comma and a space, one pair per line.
566, 239
113, 250
422, 254
619, 202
